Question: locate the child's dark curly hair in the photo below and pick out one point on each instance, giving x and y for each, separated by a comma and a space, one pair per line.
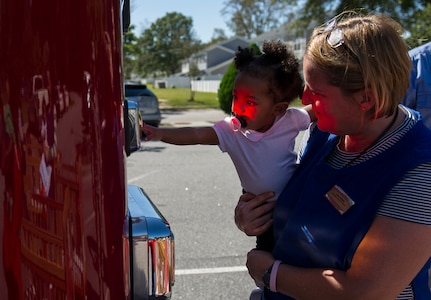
277, 65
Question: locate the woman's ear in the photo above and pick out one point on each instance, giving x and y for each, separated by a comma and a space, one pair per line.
368, 100
280, 108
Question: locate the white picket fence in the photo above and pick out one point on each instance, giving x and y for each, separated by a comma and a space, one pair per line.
210, 86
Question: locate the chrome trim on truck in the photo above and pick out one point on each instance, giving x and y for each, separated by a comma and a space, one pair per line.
152, 248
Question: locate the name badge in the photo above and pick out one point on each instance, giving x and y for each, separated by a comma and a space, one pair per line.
339, 199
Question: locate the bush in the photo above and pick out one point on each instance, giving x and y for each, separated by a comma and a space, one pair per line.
225, 89
227, 82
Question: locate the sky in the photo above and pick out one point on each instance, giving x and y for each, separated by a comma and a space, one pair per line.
206, 15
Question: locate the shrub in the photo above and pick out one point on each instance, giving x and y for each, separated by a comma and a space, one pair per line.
226, 84
225, 89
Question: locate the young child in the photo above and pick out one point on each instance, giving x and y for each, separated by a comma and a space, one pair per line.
260, 137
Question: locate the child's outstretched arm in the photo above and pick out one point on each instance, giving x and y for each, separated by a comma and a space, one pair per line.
181, 135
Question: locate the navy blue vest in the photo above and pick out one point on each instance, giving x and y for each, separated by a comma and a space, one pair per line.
309, 232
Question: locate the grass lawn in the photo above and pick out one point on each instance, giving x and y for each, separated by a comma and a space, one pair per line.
180, 98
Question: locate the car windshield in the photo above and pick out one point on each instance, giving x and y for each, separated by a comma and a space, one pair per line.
137, 90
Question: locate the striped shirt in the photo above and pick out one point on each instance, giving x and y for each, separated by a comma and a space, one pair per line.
409, 199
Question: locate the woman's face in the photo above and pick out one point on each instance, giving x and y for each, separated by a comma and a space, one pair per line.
335, 112
252, 102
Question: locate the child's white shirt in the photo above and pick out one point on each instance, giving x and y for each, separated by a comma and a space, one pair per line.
264, 161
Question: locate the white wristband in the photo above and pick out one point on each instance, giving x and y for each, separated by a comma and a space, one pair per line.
273, 277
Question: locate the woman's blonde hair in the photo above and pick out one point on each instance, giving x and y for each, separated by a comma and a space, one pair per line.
358, 52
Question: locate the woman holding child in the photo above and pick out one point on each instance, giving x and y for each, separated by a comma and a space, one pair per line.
354, 222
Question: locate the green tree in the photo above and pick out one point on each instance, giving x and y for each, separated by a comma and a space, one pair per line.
317, 12
420, 30
164, 45
227, 82
130, 52
194, 72
249, 18
218, 36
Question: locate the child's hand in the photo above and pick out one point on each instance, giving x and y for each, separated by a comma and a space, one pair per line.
149, 132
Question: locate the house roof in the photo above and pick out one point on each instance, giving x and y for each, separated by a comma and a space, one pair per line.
218, 56
220, 68
229, 43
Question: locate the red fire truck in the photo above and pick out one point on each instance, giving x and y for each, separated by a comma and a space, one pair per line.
71, 227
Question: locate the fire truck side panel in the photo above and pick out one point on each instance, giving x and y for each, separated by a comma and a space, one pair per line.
62, 174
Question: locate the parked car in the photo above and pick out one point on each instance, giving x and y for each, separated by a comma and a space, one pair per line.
147, 101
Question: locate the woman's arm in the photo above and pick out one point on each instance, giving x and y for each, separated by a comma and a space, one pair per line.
388, 258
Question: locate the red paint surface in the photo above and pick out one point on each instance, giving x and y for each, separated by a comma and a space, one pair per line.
62, 176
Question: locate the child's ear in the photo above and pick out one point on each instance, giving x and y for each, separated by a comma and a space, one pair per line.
280, 108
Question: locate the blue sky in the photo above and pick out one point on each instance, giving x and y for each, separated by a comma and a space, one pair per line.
205, 14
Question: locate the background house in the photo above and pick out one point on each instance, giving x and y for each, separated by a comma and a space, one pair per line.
214, 61
295, 41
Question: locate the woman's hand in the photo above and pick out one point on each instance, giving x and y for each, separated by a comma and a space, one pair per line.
253, 214
258, 262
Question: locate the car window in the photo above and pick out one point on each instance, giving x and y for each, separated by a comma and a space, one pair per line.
137, 90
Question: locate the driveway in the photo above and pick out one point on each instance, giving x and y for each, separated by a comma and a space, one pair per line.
191, 117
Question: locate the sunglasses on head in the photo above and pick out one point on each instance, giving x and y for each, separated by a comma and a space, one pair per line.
335, 38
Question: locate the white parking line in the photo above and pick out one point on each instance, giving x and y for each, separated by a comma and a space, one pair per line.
211, 270
142, 176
